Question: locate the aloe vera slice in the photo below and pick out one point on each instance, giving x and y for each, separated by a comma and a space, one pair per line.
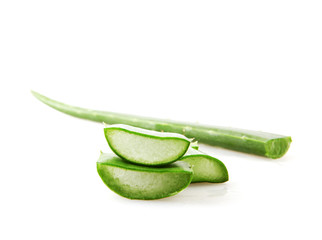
205, 168
145, 147
142, 182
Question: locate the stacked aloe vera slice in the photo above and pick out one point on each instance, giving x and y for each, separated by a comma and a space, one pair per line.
150, 165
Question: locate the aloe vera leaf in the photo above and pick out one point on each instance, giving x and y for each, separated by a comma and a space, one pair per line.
254, 142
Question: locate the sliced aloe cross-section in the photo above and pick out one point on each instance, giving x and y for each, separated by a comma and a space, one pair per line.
145, 147
142, 182
205, 168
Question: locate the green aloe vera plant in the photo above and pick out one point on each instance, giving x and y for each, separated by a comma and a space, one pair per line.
260, 143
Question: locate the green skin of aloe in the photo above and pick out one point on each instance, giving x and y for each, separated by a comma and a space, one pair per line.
142, 182
254, 142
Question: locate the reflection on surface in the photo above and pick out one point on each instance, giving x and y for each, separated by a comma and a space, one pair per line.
200, 193
194, 194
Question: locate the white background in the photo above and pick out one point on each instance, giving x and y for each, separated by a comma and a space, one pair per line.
246, 64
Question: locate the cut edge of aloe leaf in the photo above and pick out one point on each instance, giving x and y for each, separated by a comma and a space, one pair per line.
145, 147
276, 148
205, 167
142, 182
